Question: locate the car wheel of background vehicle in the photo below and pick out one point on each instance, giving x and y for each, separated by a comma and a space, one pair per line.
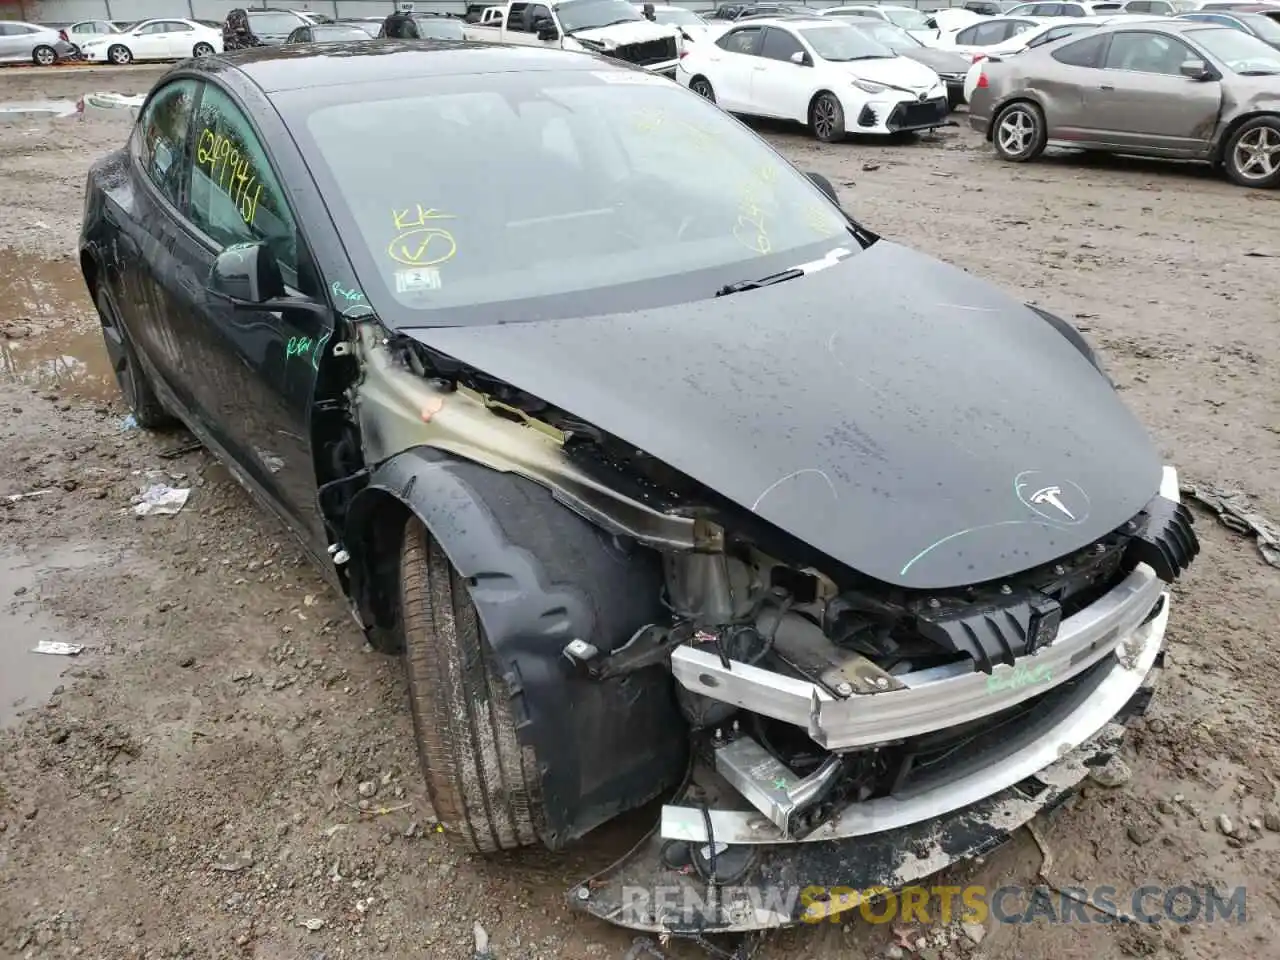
1019, 132
702, 87
203, 50
44, 56
146, 407
826, 118
471, 759
120, 55
1252, 156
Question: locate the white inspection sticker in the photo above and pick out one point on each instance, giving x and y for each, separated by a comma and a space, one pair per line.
417, 280
629, 76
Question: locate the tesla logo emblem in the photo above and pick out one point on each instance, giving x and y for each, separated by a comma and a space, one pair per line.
924, 94
1053, 497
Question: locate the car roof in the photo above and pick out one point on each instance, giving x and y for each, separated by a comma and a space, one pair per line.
791, 20
277, 69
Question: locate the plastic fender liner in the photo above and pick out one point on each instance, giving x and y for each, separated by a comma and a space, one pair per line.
541, 576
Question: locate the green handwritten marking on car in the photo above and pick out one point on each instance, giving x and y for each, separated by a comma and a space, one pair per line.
779, 784
351, 296
299, 347
1021, 676
315, 354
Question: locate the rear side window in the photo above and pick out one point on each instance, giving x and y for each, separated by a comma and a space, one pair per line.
162, 137
1070, 10
273, 22
746, 40
1081, 53
983, 34
235, 197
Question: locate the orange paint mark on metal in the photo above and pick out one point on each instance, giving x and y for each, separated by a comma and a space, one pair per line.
433, 407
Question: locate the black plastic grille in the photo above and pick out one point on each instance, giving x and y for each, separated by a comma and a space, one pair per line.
912, 116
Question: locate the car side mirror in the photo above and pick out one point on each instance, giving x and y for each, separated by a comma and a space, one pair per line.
801, 58
247, 276
546, 30
823, 184
247, 273
1196, 70
931, 23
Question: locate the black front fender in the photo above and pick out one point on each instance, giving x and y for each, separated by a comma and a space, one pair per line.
540, 576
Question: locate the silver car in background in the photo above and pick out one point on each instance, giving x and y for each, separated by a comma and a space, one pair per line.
1160, 88
22, 42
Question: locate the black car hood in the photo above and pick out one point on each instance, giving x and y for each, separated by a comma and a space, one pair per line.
891, 411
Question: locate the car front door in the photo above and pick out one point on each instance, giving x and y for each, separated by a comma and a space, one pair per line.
779, 87
150, 41
253, 371
1142, 100
735, 58
141, 268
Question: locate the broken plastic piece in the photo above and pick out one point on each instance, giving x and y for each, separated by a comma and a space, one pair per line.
161, 500
57, 648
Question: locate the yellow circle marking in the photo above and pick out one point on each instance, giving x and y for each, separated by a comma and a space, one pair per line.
423, 247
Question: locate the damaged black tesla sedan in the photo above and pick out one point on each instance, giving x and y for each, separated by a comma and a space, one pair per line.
665, 476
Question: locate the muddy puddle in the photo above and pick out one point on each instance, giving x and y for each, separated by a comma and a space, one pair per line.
26, 678
49, 336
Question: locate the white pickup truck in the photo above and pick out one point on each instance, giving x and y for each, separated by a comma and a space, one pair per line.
614, 28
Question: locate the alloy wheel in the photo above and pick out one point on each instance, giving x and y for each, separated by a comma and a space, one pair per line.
824, 117
703, 89
1017, 132
1257, 153
118, 355
203, 50
45, 57
120, 55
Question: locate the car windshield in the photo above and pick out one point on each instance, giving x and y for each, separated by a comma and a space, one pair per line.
1240, 52
327, 33
1264, 27
438, 28
841, 43
584, 193
908, 19
895, 38
682, 18
590, 14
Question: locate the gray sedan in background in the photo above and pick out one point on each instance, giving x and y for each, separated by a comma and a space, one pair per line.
1174, 88
947, 64
32, 43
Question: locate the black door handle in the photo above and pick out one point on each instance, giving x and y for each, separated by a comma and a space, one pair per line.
1105, 86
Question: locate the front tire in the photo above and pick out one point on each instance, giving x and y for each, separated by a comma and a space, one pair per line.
1252, 155
1019, 133
702, 87
43, 56
120, 55
826, 118
134, 384
482, 785
202, 50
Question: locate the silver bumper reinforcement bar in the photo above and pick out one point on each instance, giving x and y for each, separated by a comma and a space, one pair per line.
1042, 753
937, 698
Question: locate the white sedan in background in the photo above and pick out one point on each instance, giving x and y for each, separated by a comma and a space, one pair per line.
155, 40
828, 76
689, 22
908, 18
87, 31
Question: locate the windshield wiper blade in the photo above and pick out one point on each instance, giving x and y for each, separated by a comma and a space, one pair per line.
768, 281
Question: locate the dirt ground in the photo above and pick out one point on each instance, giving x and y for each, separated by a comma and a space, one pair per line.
190, 786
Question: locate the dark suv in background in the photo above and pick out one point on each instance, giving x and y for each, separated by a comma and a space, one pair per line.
273, 26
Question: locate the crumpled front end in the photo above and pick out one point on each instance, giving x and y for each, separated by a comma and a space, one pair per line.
863, 749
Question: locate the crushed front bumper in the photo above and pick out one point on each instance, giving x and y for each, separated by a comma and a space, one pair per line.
1096, 674
884, 844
